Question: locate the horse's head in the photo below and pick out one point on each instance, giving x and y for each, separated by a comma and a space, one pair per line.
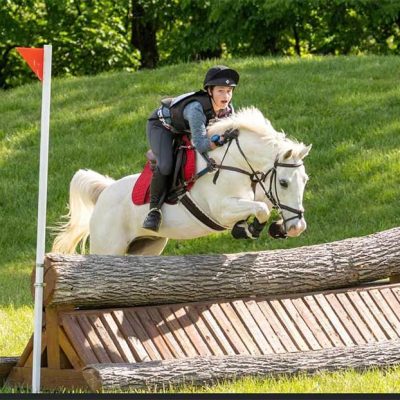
278, 162
285, 188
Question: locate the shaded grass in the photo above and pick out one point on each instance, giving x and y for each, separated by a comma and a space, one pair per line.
348, 107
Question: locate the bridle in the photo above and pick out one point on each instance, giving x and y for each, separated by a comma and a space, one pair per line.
259, 177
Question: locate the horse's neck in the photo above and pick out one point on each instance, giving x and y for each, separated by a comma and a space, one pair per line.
205, 185
258, 156
230, 184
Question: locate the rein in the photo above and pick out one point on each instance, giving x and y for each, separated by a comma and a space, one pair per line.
259, 177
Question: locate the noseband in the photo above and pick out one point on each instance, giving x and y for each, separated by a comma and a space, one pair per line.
275, 199
259, 177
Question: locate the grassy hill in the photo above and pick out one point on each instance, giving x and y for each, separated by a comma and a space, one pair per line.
347, 107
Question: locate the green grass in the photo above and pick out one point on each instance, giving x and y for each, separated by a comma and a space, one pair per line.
349, 381
347, 107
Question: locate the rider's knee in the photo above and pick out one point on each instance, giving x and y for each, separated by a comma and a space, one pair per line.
165, 168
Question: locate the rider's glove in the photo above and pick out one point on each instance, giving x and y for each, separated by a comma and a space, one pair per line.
217, 140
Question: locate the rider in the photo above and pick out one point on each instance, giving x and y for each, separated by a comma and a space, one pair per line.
188, 113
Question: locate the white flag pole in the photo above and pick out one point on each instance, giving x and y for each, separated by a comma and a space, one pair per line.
41, 224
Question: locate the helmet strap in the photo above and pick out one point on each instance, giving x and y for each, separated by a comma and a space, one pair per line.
210, 95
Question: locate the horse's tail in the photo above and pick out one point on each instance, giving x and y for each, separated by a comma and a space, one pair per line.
85, 188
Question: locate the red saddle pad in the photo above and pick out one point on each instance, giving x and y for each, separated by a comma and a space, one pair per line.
141, 189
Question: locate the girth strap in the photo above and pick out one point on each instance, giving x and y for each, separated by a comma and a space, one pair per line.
199, 214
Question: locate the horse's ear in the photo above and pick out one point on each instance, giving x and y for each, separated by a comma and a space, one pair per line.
305, 151
288, 154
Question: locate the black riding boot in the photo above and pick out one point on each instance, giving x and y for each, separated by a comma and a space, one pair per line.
158, 190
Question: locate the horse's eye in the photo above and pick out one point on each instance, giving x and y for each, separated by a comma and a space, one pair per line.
284, 183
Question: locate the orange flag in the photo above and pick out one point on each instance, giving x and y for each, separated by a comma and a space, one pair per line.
34, 57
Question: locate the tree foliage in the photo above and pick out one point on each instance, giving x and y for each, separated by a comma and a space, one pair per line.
90, 36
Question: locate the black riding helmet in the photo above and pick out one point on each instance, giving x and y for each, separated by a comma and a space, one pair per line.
220, 75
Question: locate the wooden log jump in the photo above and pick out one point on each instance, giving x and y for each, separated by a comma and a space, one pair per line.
106, 281
139, 322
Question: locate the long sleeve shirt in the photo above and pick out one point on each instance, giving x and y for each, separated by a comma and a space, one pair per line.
194, 115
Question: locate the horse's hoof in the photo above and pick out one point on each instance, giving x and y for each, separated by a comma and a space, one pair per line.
241, 231
277, 231
255, 228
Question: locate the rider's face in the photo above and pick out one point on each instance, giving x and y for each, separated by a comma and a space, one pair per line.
221, 96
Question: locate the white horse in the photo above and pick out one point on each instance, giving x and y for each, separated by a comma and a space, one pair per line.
102, 207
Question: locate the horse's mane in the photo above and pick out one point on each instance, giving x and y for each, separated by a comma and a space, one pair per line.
252, 119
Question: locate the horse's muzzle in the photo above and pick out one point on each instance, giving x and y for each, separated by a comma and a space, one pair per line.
277, 229
297, 228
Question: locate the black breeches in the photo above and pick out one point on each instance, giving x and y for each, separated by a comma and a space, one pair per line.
161, 143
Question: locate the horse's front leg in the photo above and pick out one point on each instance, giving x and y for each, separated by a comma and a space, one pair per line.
233, 209
237, 211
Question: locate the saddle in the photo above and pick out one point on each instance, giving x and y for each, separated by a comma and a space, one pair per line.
182, 179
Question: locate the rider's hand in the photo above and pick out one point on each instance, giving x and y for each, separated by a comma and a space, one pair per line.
217, 141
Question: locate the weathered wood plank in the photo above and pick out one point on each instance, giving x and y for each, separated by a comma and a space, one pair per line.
367, 316
312, 323
384, 306
165, 332
228, 329
196, 315
392, 301
277, 326
92, 337
387, 329
324, 322
191, 331
345, 319
221, 345
323, 303
178, 331
29, 360
80, 342
265, 327
53, 344
240, 328
142, 335
69, 350
252, 326
117, 337
366, 335
296, 317
106, 340
154, 334
289, 325
135, 344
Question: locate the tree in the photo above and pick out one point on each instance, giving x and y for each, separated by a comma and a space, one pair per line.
19, 22
143, 37
87, 37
